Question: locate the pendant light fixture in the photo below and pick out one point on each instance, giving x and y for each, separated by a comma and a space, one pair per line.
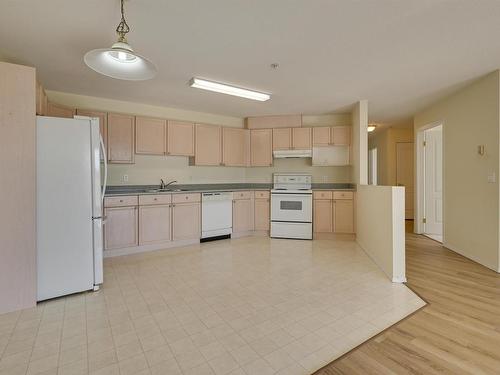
120, 61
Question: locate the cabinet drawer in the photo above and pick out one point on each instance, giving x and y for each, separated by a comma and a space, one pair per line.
121, 201
322, 194
242, 195
183, 198
259, 194
145, 200
343, 195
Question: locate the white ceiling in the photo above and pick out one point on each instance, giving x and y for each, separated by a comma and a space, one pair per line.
400, 55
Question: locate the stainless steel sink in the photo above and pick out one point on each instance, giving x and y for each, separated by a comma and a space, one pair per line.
164, 190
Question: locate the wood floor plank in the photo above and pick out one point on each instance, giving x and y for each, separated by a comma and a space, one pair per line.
458, 332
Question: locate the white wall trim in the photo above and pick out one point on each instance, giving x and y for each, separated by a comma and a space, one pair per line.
459, 251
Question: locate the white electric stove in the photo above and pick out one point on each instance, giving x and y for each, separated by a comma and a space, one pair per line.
291, 206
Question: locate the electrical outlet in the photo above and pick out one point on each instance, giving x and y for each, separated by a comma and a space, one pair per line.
125, 178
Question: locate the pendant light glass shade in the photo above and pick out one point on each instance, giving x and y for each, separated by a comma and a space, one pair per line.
120, 61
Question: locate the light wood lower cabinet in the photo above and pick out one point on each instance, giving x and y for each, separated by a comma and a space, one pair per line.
343, 216
154, 224
262, 216
333, 212
243, 215
186, 219
323, 216
120, 228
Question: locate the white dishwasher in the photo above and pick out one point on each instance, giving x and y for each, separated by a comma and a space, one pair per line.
216, 215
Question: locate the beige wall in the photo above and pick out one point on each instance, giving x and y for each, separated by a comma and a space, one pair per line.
149, 169
380, 228
470, 204
360, 142
385, 142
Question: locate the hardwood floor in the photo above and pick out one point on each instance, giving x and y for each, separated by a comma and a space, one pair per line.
458, 332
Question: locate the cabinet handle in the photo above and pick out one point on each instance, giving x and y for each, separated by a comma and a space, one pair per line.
155, 199
121, 200
187, 197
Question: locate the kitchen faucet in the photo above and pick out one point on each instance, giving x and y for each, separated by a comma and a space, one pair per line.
163, 186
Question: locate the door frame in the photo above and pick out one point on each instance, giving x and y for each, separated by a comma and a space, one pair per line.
414, 190
420, 177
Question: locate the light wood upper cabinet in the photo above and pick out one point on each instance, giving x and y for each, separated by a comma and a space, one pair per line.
261, 148
321, 136
57, 110
103, 122
41, 100
235, 147
150, 136
243, 215
271, 122
261, 215
154, 224
282, 139
186, 219
322, 211
208, 147
180, 138
121, 130
301, 138
343, 216
120, 228
341, 135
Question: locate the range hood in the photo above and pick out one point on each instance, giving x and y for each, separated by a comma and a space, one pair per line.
281, 154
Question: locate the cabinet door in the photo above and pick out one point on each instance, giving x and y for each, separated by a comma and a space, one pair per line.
282, 139
341, 135
343, 216
186, 221
261, 148
235, 147
261, 214
243, 211
103, 122
180, 138
120, 228
41, 100
150, 136
57, 110
208, 148
321, 136
302, 138
322, 220
154, 224
121, 129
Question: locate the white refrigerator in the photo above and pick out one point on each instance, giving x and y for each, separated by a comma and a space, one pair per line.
69, 206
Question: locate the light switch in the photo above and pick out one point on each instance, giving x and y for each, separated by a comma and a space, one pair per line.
125, 178
492, 178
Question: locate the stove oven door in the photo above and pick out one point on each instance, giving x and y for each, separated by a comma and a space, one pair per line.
291, 207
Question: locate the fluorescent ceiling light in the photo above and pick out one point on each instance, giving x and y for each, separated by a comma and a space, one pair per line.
229, 90
371, 128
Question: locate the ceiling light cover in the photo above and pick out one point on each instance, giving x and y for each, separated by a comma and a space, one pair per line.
120, 61
228, 89
371, 128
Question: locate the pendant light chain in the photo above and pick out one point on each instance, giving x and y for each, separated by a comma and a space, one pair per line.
122, 28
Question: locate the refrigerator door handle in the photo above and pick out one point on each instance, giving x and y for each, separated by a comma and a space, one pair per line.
105, 159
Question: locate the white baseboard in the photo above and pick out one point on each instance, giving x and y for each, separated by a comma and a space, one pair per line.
399, 279
471, 257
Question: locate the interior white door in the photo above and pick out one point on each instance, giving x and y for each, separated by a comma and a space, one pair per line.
404, 174
433, 190
372, 166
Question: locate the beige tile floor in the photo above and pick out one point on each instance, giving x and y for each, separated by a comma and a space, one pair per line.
245, 306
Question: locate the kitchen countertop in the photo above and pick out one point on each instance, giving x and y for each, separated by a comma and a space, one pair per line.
203, 188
